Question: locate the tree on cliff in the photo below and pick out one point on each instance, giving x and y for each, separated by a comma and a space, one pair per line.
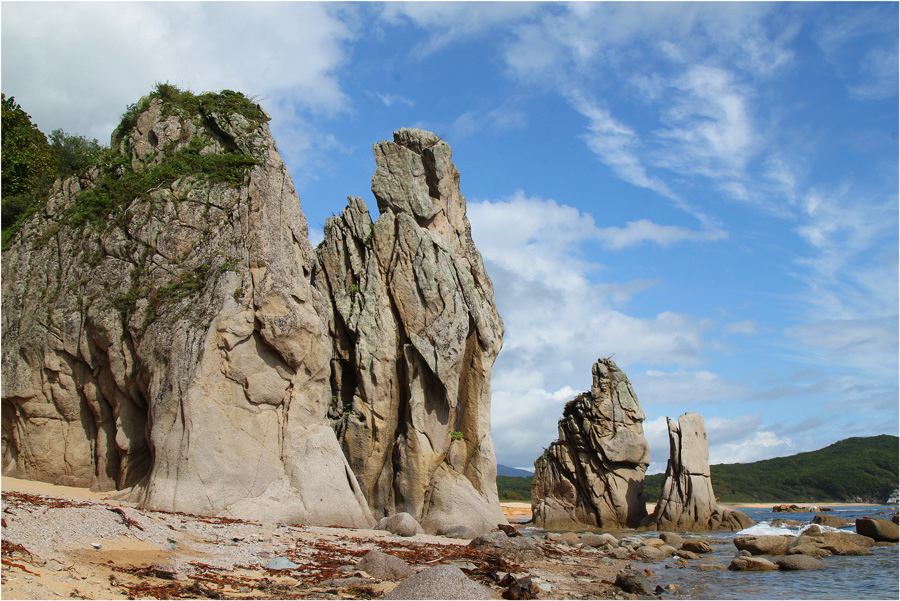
28, 161
74, 154
31, 162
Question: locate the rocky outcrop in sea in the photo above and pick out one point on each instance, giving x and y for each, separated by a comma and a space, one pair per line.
593, 475
169, 331
687, 501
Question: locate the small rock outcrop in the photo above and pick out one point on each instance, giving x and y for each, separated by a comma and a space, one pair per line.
878, 529
593, 475
686, 500
415, 333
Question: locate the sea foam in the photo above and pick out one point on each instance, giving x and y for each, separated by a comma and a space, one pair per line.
764, 528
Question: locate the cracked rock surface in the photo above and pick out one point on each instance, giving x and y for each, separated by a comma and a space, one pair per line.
593, 475
175, 349
686, 501
415, 332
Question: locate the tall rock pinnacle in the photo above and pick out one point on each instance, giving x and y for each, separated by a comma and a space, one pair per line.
415, 333
686, 500
593, 475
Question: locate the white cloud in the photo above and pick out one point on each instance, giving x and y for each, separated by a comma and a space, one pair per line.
448, 22
643, 230
392, 99
502, 118
685, 388
77, 65
559, 319
866, 344
709, 126
617, 145
747, 327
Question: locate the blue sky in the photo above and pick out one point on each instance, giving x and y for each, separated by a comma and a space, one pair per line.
707, 192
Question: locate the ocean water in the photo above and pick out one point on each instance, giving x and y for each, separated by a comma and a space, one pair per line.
873, 576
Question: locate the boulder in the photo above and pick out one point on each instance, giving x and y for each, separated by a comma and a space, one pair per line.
751, 564
686, 500
650, 553
593, 474
160, 333
599, 540
878, 529
383, 566
844, 547
809, 549
685, 554
850, 537
696, 546
671, 538
630, 580
460, 531
414, 333
830, 520
799, 562
401, 524
440, 582
763, 545
499, 540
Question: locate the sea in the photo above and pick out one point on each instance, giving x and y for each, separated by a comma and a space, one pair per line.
873, 576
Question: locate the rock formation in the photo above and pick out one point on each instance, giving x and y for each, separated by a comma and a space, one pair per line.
169, 331
415, 332
686, 500
593, 476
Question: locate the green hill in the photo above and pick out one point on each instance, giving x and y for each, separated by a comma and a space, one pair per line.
851, 470
514, 488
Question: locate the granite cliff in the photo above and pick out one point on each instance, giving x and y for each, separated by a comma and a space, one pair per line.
169, 331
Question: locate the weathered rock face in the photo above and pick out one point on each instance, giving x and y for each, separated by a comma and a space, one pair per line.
160, 333
415, 333
593, 476
686, 500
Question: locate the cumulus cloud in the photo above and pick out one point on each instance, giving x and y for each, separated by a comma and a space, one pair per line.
560, 316
55, 54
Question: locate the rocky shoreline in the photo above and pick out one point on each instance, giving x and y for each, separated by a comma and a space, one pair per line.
60, 545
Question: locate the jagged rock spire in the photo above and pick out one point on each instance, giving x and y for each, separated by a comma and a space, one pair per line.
416, 332
593, 475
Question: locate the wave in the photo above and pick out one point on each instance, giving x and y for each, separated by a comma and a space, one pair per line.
764, 528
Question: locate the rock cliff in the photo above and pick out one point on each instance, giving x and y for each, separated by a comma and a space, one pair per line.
686, 500
593, 475
169, 331
415, 332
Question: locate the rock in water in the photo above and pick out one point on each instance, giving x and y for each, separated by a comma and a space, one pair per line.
686, 501
415, 333
160, 333
594, 474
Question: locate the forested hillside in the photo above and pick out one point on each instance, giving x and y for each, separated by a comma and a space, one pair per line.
855, 469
